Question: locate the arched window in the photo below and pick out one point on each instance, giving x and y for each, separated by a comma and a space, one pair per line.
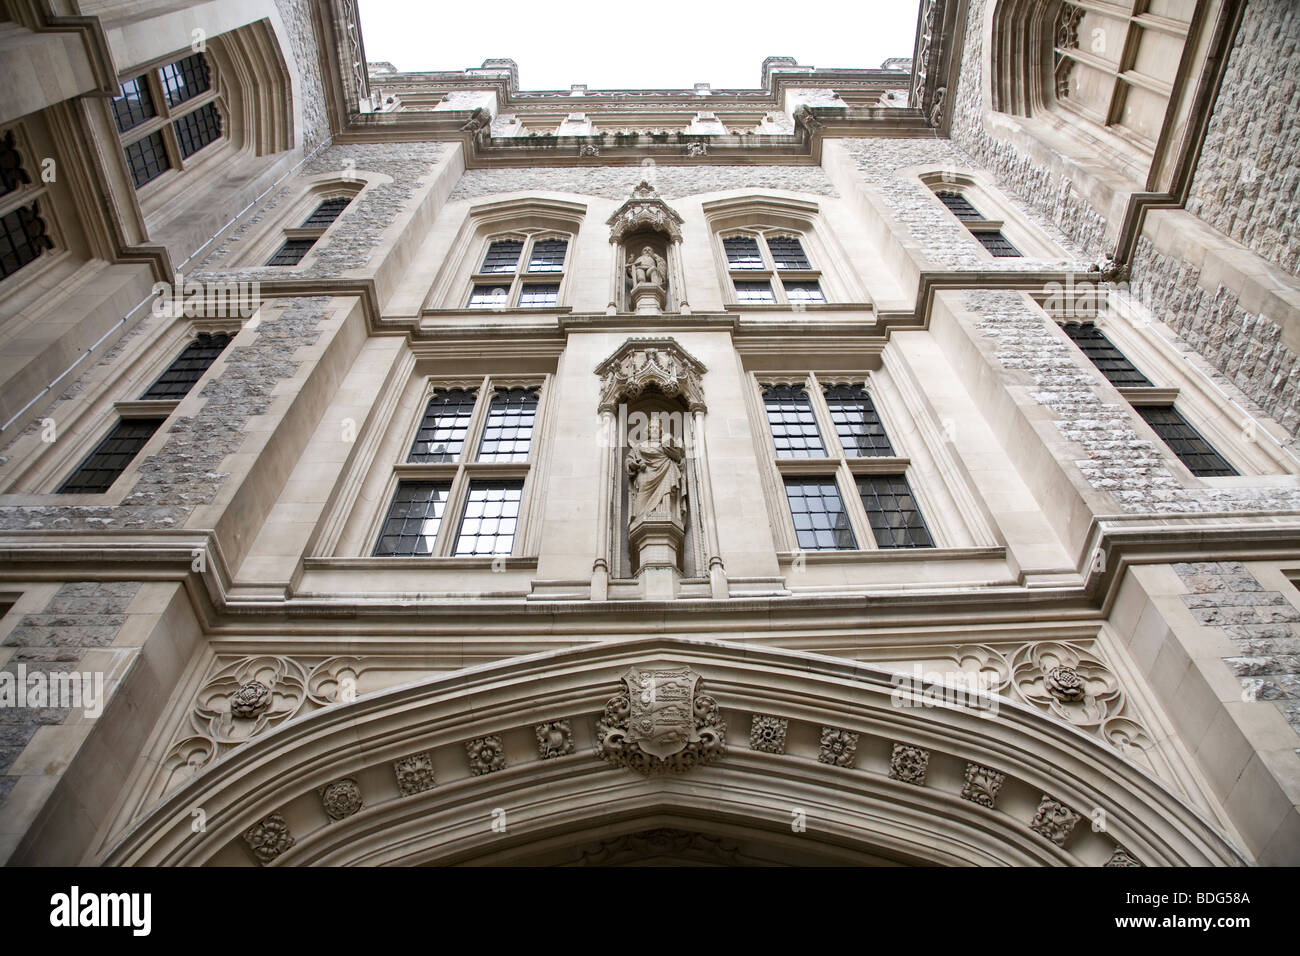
770, 251
1118, 74
24, 233
167, 114
520, 271
299, 239
996, 224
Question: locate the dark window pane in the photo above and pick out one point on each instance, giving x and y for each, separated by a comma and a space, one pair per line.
754, 292
489, 297
804, 292
326, 213
147, 159
189, 366
291, 253
788, 253
446, 420
856, 422
539, 296
1105, 356
892, 512
185, 79
198, 129
742, 253
413, 518
503, 256
509, 428
794, 429
490, 518
22, 238
12, 174
820, 522
1185, 441
111, 456
135, 105
959, 205
997, 244
548, 256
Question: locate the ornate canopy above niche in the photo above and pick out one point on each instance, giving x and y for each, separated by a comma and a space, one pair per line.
661, 362
645, 211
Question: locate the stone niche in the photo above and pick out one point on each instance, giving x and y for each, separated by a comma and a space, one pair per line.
647, 270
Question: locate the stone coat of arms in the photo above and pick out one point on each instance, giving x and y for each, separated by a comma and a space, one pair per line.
660, 723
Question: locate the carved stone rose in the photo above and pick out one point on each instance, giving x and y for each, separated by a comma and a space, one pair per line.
342, 798
1065, 684
268, 838
251, 700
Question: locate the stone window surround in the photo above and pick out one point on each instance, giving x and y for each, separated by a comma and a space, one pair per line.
998, 214
259, 247
35, 190
836, 464
1224, 424
460, 472
47, 464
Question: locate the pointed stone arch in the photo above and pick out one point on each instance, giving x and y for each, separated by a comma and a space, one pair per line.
513, 740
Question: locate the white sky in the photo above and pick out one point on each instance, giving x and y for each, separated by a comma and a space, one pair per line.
650, 44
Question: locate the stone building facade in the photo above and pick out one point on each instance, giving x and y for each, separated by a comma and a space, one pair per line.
875, 466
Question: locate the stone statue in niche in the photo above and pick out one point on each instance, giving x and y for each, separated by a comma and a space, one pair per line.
648, 268
654, 469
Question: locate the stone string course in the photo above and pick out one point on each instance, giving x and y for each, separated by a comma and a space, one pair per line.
185, 473
81, 615
1117, 460
943, 239
1246, 347
1038, 191
362, 224
1247, 182
1263, 625
617, 182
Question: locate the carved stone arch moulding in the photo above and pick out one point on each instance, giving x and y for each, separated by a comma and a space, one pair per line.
642, 362
343, 784
645, 210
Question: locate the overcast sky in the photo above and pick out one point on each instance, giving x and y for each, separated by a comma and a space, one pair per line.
614, 44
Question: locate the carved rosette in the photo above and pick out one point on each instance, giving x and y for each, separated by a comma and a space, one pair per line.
982, 785
554, 739
486, 755
1054, 821
767, 733
640, 364
839, 748
341, 799
909, 764
251, 700
414, 773
661, 723
268, 838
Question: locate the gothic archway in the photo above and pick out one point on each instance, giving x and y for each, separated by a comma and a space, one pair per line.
820, 761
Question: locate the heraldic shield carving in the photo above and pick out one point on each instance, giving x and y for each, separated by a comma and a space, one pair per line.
661, 723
